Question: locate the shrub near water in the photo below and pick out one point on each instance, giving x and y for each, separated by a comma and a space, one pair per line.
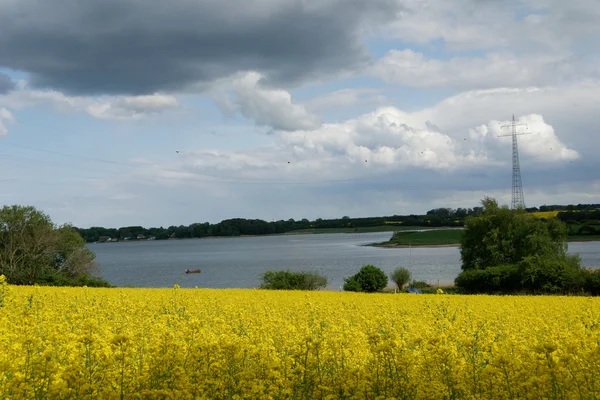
369, 279
400, 276
288, 280
68, 343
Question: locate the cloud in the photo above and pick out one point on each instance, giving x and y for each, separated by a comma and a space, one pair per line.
131, 47
536, 138
490, 71
346, 98
369, 150
5, 116
132, 107
526, 26
103, 107
6, 84
266, 106
446, 155
569, 109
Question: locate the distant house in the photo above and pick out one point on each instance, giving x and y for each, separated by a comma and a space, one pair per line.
151, 237
104, 238
127, 238
141, 237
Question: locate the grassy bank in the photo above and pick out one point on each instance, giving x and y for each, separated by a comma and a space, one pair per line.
366, 229
439, 237
447, 237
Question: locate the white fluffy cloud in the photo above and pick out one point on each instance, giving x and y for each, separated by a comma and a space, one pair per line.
492, 70
132, 107
536, 138
446, 155
5, 117
384, 141
266, 106
103, 107
531, 25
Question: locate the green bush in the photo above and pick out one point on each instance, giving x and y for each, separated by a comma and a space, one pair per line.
288, 280
400, 276
352, 285
55, 278
552, 275
504, 278
368, 279
592, 281
419, 285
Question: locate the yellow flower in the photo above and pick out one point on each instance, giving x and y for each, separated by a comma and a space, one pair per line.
248, 344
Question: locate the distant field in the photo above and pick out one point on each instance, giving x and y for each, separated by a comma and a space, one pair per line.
545, 214
437, 237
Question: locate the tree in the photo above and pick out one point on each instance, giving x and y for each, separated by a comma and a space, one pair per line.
288, 280
509, 250
400, 276
368, 279
501, 236
34, 250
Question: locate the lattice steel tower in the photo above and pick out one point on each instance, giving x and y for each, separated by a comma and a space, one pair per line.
517, 186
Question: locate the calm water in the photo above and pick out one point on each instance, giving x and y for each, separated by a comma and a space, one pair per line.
239, 262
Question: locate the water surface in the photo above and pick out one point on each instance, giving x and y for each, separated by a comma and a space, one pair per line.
239, 262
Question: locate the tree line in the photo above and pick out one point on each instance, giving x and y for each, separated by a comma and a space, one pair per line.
437, 217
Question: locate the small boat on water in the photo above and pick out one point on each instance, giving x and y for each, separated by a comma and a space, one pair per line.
192, 271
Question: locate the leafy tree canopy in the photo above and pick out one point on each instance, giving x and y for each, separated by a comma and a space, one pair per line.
501, 236
34, 250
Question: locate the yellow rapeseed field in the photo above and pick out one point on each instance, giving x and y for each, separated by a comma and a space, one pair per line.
545, 214
84, 343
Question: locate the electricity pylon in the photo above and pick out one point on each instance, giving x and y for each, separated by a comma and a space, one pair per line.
517, 186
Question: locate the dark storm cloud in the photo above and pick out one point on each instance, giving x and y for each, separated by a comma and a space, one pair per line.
135, 47
6, 84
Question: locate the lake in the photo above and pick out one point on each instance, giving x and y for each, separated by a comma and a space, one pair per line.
238, 262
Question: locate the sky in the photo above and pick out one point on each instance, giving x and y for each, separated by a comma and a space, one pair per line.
120, 112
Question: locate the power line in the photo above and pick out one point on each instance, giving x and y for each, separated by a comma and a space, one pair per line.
219, 178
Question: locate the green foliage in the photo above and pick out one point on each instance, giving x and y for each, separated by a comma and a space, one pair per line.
352, 285
552, 275
241, 226
431, 237
34, 250
420, 285
55, 278
368, 279
288, 280
507, 250
501, 236
503, 278
592, 281
400, 276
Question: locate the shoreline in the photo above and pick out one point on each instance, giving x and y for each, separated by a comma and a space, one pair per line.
406, 246
387, 245
292, 233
